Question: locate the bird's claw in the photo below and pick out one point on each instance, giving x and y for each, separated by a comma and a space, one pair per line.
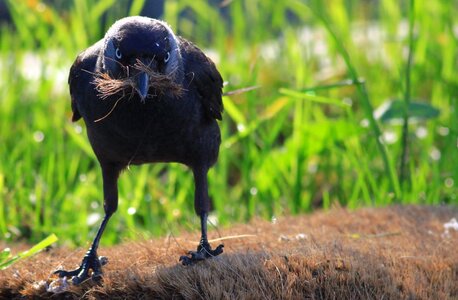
90, 262
203, 252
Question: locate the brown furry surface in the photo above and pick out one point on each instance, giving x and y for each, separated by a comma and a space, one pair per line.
387, 253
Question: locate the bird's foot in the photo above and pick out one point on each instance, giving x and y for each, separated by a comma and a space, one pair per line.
203, 252
90, 262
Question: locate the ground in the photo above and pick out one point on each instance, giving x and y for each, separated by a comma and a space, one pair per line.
373, 253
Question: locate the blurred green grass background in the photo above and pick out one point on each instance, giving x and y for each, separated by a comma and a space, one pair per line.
336, 82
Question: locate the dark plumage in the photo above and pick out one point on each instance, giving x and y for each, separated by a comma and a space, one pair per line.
163, 108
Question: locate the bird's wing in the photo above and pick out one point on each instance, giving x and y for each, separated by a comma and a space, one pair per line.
203, 74
80, 77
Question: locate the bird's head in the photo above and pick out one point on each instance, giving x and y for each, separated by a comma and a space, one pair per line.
141, 53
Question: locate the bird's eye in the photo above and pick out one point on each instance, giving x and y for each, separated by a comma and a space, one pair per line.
167, 57
118, 53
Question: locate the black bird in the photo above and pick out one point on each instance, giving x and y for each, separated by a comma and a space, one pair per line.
147, 95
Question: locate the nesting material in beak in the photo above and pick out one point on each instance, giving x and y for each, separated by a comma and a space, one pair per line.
145, 80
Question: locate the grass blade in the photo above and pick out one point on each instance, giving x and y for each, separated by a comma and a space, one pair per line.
405, 126
310, 96
369, 110
32, 251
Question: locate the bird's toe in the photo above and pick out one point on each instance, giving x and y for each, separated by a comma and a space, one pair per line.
203, 252
63, 273
217, 251
82, 273
185, 260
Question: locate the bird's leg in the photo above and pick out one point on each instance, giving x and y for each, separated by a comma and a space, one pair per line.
91, 261
204, 246
202, 206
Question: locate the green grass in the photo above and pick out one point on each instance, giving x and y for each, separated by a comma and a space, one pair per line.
306, 138
7, 259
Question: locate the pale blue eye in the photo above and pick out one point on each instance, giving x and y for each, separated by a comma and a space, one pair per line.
118, 53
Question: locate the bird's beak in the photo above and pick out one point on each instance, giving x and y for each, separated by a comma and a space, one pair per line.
142, 85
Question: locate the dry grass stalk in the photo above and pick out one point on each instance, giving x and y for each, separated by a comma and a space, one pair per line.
162, 84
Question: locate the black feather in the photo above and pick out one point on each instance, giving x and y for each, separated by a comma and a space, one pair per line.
202, 74
164, 128
137, 122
